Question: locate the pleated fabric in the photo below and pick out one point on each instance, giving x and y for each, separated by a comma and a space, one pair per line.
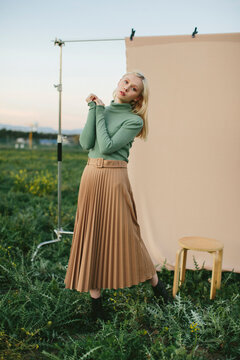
107, 250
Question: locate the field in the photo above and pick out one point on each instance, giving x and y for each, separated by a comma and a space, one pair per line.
40, 319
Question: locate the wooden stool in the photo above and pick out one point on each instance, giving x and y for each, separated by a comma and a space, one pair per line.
200, 244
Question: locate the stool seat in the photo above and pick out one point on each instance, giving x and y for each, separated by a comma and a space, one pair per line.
199, 243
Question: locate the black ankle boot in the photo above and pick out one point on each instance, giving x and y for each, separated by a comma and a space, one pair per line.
97, 309
160, 291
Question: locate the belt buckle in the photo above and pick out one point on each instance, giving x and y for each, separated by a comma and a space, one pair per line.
100, 162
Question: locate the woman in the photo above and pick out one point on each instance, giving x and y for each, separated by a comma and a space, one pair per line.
107, 249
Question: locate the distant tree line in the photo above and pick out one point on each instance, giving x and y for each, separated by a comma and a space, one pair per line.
14, 134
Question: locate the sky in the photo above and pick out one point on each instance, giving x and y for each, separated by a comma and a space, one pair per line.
29, 60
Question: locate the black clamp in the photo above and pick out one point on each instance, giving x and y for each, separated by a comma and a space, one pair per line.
59, 42
132, 34
195, 32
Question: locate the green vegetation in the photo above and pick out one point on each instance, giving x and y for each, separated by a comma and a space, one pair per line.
40, 319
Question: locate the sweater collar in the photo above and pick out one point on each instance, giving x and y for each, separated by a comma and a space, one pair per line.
120, 106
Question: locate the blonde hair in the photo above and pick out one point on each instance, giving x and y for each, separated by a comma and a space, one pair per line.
141, 106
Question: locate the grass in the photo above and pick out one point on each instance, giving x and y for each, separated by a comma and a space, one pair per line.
40, 319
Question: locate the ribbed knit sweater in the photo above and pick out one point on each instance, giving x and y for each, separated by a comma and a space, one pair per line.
110, 131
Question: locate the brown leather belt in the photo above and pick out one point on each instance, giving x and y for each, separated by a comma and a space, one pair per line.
100, 162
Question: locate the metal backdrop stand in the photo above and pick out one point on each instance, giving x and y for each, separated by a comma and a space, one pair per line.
59, 229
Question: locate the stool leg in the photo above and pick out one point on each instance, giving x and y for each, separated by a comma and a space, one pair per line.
183, 266
219, 273
176, 272
214, 275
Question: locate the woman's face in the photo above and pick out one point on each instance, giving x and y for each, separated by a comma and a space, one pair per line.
129, 88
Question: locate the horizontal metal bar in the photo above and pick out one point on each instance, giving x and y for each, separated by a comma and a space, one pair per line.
65, 232
90, 40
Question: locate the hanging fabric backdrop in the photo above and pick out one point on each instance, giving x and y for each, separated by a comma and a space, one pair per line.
186, 176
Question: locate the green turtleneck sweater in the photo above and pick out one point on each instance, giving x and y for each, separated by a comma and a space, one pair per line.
110, 131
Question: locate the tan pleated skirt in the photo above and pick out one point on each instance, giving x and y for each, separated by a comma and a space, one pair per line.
107, 250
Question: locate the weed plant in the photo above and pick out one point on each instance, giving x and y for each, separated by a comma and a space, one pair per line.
40, 319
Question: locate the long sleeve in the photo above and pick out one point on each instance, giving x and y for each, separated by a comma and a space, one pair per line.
127, 132
88, 134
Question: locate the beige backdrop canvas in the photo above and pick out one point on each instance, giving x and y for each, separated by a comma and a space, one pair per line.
186, 176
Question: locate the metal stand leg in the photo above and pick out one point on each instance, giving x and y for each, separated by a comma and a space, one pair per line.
58, 233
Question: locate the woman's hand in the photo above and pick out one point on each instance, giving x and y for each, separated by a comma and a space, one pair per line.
91, 97
99, 102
